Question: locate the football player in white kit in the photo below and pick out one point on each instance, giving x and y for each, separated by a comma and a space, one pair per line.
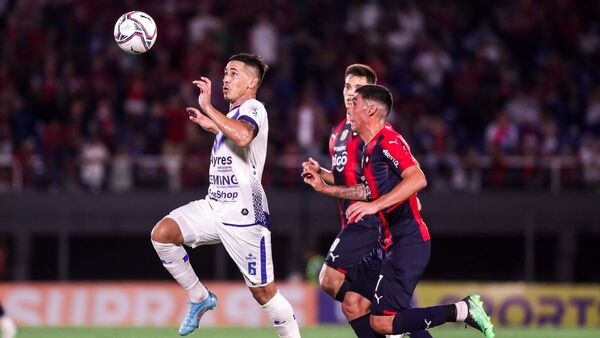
235, 211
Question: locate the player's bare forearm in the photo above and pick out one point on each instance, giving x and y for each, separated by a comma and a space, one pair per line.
240, 132
413, 181
313, 166
203, 121
314, 176
210, 127
353, 192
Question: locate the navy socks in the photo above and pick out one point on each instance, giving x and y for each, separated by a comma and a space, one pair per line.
339, 296
362, 327
418, 319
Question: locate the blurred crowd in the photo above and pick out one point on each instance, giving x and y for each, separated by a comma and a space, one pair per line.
487, 93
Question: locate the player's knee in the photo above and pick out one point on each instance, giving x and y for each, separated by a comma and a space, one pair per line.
349, 309
166, 231
380, 324
353, 308
264, 294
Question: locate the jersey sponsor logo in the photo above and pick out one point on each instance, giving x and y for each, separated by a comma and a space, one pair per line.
344, 135
250, 257
221, 160
339, 161
225, 180
245, 212
388, 155
223, 196
339, 148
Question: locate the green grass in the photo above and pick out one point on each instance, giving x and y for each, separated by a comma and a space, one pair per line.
308, 332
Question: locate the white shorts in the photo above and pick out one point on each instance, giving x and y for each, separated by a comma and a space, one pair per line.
248, 246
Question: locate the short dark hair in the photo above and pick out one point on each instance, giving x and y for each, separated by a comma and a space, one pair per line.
253, 61
376, 93
358, 69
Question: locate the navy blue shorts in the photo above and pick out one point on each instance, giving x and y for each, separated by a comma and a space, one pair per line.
352, 243
389, 278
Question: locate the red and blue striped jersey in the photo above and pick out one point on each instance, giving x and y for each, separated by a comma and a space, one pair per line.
384, 159
345, 148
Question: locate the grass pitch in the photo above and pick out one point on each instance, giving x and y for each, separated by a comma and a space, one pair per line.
307, 332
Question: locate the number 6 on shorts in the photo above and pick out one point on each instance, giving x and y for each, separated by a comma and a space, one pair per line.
252, 268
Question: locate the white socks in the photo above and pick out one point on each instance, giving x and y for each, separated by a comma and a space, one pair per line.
462, 310
177, 262
281, 313
8, 327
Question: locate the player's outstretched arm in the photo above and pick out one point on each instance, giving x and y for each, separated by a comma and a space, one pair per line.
413, 180
326, 175
203, 121
239, 131
354, 192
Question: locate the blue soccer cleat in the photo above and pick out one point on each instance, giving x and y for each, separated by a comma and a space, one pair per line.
196, 311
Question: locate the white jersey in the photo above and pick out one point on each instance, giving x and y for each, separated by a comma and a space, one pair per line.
235, 192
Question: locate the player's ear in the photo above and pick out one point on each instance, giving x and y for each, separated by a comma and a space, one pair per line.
253, 83
372, 109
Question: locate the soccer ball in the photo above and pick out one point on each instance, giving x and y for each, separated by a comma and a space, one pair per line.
135, 32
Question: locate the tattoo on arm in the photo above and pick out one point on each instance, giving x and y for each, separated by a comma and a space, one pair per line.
354, 192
